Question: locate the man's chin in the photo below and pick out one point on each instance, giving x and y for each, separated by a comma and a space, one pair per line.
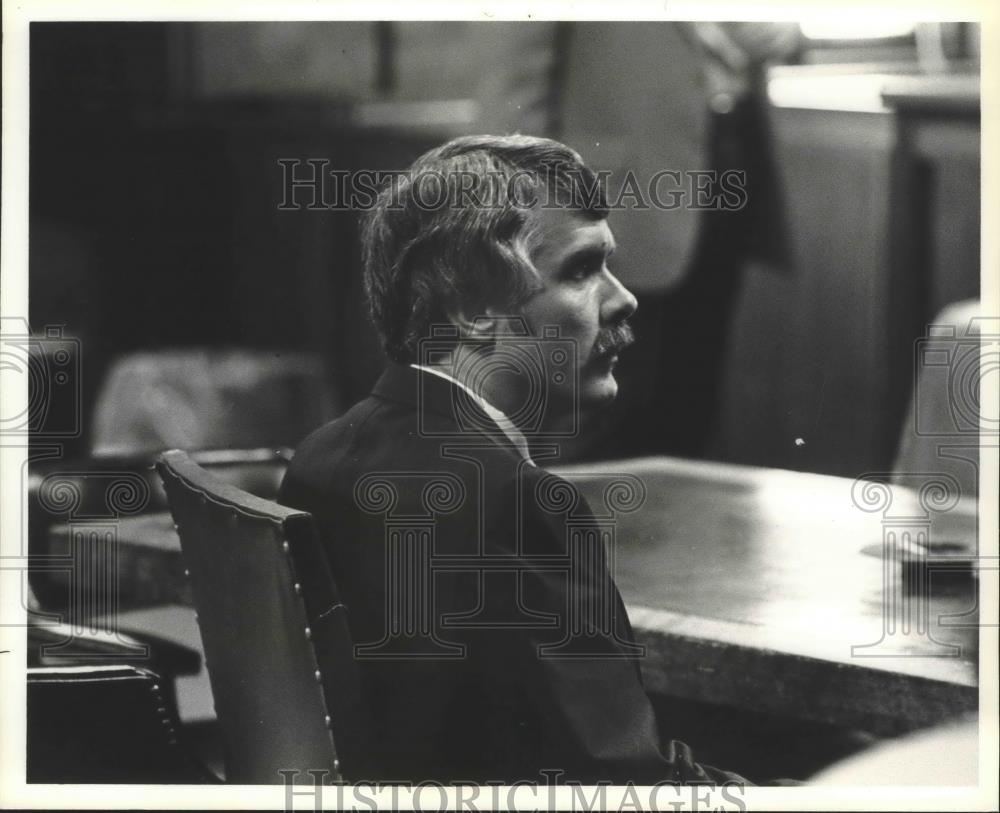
598, 392
594, 394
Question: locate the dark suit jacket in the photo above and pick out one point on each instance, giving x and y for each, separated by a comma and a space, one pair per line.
493, 643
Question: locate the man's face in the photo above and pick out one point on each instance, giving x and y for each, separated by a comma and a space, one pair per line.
580, 296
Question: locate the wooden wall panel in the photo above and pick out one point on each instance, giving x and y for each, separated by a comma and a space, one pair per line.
804, 385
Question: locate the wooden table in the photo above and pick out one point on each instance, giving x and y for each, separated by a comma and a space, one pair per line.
755, 588
759, 588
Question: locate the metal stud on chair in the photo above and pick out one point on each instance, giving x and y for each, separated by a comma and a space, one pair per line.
249, 604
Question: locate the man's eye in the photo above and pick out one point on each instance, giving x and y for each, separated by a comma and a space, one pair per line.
584, 270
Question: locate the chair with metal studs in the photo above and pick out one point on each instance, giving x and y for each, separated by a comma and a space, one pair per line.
275, 634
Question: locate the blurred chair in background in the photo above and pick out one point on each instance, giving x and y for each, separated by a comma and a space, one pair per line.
102, 704
107, 724
95, 647
210, 399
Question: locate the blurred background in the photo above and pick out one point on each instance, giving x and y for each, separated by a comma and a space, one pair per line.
779, 335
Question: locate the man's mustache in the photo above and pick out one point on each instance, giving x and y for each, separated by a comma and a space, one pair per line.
612, 340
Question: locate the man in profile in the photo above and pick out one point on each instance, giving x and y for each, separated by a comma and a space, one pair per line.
491, 640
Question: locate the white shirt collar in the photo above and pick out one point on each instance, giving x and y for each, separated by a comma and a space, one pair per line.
507, 426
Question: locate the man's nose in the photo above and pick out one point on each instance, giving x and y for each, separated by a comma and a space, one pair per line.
619, 303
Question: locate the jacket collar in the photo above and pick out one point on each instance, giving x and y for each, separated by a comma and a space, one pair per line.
444, 409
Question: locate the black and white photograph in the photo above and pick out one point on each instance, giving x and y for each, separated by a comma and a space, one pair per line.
534, 406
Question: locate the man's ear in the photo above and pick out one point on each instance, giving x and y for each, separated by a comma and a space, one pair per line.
481, 326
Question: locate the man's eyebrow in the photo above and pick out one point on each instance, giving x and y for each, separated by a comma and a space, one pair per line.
589, 252
581, 255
